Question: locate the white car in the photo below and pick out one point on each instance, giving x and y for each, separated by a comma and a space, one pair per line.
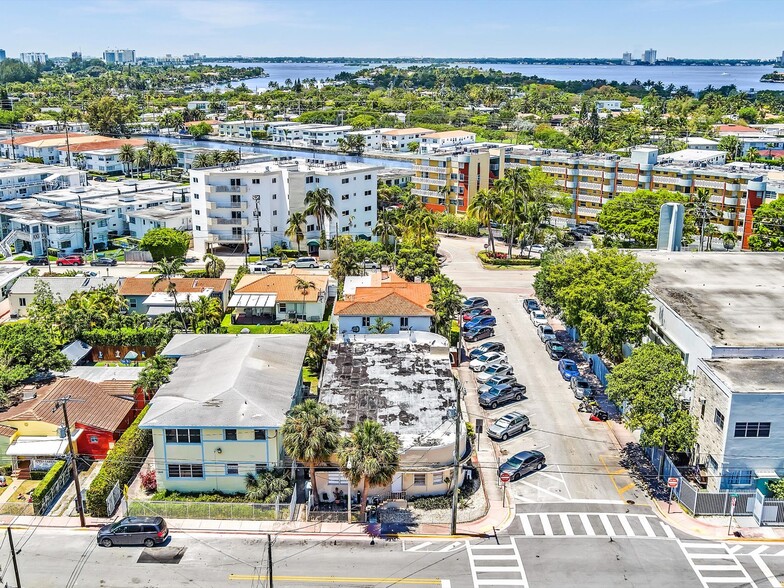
310, 262
538, 318
261, 268
480, 363
536, 248
498, 369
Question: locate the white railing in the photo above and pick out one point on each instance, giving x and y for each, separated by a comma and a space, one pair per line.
589, 198
664, 179
716, 199
709, 184
625, 189
552, 169
426, 193
227, 189
430, 169
589, 172
590, 186
585, 211
625, 176
428, 181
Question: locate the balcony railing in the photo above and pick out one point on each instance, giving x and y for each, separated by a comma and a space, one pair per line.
232, 205
239, 222
428, 181
426, 193
430, 169
227, 189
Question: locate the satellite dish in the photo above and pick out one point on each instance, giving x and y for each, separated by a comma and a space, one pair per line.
355, 329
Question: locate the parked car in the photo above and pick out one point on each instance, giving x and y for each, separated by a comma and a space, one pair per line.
522, 463
261, 268
504, 393
147, 531
554, 349
104, 261
530, 304
310, 262
568, 369
478, 334
581, 387
545, 332
495, 382
538, 318
478, 364
537, 248
576, 235
475, 312
370, 264
272, 262
474, 302
486, 347
38, 260
71, 260
499, 369
480, 321
509, 425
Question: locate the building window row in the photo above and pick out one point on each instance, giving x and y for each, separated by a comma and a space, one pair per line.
752, 429
183, 435
185, 470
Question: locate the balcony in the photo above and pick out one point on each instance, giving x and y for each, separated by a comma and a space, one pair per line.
227, 189
430, 169
236, 222
589, 172
589, 198
428, 181
625, 188
590, 186
425, 193
552, 169
709, 184
232, 205
625, 176
584, 211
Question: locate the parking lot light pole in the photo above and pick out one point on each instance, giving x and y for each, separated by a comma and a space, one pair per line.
348, 494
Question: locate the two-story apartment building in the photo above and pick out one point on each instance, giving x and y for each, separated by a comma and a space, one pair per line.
241, 129
171, 215
400, 139
21, 179
432, 142
219, 416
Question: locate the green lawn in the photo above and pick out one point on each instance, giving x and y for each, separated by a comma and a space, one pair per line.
280, 329
22, 257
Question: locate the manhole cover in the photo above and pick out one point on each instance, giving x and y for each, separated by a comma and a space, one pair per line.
162, 555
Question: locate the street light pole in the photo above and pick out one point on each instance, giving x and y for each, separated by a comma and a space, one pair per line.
81, 222
257, 214
456, 472
348, 494
63, 402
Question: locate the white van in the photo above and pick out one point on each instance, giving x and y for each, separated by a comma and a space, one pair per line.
260, 268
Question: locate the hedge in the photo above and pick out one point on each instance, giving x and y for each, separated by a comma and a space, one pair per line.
46, 484
121, 465
151, 337
514, 262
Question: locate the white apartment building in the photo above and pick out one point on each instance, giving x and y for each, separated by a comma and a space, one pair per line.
53, 126
316, 135
242, 129
119, 56
32, 58
172, 215
446, 140
225, 202
199, 105
399, 139
374, 138
649, 56
608, 105
21, 179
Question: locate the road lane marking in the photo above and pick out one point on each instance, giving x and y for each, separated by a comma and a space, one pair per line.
546, 527
451, 547
626, 526
646, 526
586, 524
420, 546
734, 572
769, 575
548, 492
527, 530
667, 530
626, 488
567, 526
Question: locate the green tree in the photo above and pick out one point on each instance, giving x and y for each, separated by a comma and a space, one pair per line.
729, 240
311, 435
413, 262
380, 326
776, 488
420, 224
369, 457
321, 204
412, 146
703, 212
201, 160
26, 349
603, 294
230, 156
351, 144
43, 309
304, 287
204, 314
155, 374
318, 345
386, 228
111, 116
167, 269
731, 144
294, 228
165, 243
632, 219
650, 384
485, 207
267, 487
200, 130
445, 302
127, 156
768, 227
214, 266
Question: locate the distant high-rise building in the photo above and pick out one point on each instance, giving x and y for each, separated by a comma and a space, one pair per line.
781, 59
627, 58
119, 56
2, 54
31, 58
649, 56
76, 55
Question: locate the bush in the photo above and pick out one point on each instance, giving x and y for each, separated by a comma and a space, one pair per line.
164, 242
46, 484
196, 274
437, 502
149, 481
147, 337
121, 464
38, 474
505, 262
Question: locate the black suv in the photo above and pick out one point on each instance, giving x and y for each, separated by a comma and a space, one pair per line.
38, 260
147, 531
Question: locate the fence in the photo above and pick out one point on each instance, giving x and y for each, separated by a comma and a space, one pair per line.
768, 511
138, 256
293, 502
48, 501
699, 502
223, 511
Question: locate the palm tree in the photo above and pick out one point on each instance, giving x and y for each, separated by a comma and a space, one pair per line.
230, 156
154, 375
311, 434
141, 159
294, 228
320, 338
380, 326
127, 156
205, 314
445, 302
700, 205
729, 240
369, 457
321, 204
485, 208
79, 159
385, 227
202, 160
168, 269
752, 154
214, 266
516, 190
305, 287
446, 193
421, 223
266, 487
167, 157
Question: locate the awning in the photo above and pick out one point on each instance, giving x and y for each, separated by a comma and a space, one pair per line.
314, 242
159, 310
766, 474
40, 446
253, 301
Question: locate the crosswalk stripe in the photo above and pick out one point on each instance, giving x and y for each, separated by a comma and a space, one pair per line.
491, 547
492, 569
717, 568
500, 582
495, 557
758, 550
567, 526
606, 522
702, 544
546, 527
735, 548
769, 575
626, 526
586, 524
710, 556
420, 546
667, 530
527, 530
646, 526
451, 547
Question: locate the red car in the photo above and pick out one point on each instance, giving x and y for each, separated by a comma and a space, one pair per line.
475, 312
71, 260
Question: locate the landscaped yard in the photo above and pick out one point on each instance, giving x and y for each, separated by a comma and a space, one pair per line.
23, 490
280, 329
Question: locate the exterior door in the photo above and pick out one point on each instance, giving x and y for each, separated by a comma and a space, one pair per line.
397, 483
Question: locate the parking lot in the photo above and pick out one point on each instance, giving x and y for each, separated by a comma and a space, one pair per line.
582, 456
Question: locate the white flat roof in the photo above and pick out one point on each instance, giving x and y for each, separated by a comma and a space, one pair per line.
253, 301
39, 446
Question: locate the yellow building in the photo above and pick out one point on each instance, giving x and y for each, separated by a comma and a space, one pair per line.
219, 416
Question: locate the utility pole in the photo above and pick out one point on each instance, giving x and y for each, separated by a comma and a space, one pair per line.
81, 222
67, 140
257, 214
269, 561
63, 402
13, 556
456, 473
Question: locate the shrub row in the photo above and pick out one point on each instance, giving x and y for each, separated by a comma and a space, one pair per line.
121, 464
128, 337
46, 484
514, 262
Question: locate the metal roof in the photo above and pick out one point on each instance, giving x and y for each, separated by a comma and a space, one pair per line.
253, 301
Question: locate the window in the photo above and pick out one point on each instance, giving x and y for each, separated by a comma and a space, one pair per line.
737, 478
235, 182
234, 214
195, 180
420, 479
274, 196
344, 181
260, 434
368, 177
195, 196
236, 231
718, 418
368, 223
310, 228
183, 435
93, 438
403, 322
344, 197
198, 227
438, 478
274, 213
261, 468
275, 229
256, 181
282, 307
197, 212
365, 321
752, 429
702, 408
274, 180
186, 470
368, 192
344, 229
230, 434
23, 302
344, 213
309, 180
232, 469
368, 208
132, 303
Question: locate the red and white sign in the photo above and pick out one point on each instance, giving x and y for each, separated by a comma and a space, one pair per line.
505, 477
672, 482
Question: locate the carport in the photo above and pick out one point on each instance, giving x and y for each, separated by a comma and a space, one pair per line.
253, 309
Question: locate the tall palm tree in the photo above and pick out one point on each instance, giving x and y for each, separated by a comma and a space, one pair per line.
214, 267
421, 223
516, 190
321, 204
445, 302
702, 210
167, 157
369, 457
205, 314
230, 156
311, 434
485, 207
380, 326
154, 375
320, 338
294, 228
304, 286
168, 269
201, 160
386, 227
141, 159
127, 156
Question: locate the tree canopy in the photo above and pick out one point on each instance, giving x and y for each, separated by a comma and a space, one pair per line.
768, 228
165, 243
26, 349
110, 116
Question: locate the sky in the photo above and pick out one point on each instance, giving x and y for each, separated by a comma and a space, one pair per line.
397, 28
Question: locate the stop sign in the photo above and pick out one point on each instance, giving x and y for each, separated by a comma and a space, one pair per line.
505, 477
672, 482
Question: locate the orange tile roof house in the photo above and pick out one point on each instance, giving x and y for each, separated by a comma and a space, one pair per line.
274, 298
402, 305
142, 297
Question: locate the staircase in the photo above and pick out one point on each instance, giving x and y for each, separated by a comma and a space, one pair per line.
5, 244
